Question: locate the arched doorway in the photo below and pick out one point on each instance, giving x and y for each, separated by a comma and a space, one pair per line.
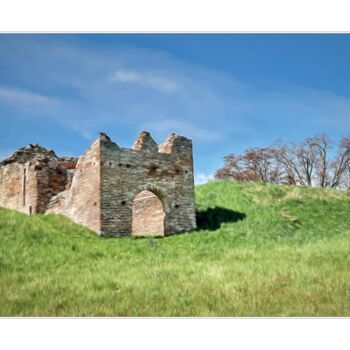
147, 215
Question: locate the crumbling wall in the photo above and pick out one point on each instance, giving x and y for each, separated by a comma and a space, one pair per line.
15, 183
31, 176
53, 176
165, 170
98, 189
81, 200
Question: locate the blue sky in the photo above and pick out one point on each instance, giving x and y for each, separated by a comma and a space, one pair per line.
227, 92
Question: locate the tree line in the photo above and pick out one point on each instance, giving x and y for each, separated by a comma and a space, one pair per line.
314, 162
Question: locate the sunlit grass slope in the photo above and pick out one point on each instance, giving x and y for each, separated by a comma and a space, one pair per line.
261, 250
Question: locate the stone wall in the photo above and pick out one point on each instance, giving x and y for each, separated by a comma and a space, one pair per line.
31, 177
165, 170
98, 190
81, 200
14, 184
147, 215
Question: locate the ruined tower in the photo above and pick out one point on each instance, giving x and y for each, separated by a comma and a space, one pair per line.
114, 191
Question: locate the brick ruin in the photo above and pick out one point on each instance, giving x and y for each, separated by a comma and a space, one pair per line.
114, 191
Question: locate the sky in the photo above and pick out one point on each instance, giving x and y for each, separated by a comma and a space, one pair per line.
227, 92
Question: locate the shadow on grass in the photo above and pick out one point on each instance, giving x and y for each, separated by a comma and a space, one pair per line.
209, 219
212, 218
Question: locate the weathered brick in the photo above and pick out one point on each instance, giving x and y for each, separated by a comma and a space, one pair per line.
31, 177
112, 190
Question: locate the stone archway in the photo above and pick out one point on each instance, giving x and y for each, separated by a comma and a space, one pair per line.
148, 214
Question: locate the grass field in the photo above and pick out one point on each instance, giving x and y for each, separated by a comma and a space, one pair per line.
260, 250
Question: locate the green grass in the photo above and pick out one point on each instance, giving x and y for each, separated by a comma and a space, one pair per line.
261, 250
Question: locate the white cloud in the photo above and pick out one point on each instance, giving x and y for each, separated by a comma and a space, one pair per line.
123, 89
191, 130
202, 178
150, 79
24, 97
126, 76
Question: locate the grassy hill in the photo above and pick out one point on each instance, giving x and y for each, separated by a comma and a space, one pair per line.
260, 250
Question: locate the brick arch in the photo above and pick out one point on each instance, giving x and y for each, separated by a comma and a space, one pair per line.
149, 210
159, 192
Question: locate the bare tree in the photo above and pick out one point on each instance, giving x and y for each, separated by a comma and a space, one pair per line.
255, 164
340, 164
321, 145
294, 160
305, 164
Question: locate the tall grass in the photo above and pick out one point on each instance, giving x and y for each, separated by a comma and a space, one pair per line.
260, 250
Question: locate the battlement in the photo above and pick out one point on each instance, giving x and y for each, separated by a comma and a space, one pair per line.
145, 143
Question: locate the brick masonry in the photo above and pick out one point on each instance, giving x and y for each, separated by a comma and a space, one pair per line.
147, 215
114, 191
31, 177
